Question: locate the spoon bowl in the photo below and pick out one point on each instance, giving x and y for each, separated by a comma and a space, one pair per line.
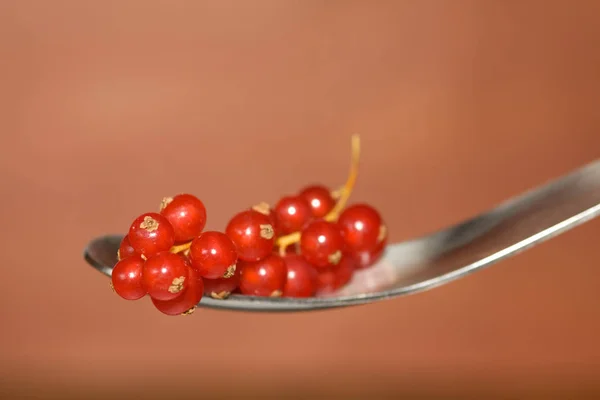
435, 259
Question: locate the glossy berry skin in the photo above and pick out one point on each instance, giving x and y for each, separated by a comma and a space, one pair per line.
127, 278
187, 216
321, 243
252, 234
361, 228
301, 277
187, 301
221, 288
263, 278
125, 249
333, 278
151, 233
367, 258
320, 200
213, 255
292, 213
165, 276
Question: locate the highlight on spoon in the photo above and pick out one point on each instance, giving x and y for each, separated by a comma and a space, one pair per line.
309, 244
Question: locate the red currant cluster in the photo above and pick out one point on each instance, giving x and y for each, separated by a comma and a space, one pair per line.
308, 244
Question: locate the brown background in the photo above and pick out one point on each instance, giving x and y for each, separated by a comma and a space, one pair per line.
106, 106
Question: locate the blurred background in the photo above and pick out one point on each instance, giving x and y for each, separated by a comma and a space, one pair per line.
107, 106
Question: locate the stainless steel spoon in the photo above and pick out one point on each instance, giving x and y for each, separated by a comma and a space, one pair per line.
439, 258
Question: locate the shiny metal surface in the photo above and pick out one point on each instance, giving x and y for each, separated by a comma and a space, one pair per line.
439, 258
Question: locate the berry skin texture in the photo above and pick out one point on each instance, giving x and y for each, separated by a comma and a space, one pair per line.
213, 255
187, 216
292, 213
253, 235
125, 249
188, 300
221, 288
301, 277
361, 227
367, 258
321, 243
151, 233
165, 276
263, 278
320, 200
333, 278
127, 278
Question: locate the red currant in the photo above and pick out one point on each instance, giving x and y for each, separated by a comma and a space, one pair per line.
213, 255
367, 258
292, 213
333, 278
187, 301
151, 233
127, 278
187, 215
252, 233
221, 288
361, 227
320, 200
263, 278
125, 249
165, 276
321, 243
301, 277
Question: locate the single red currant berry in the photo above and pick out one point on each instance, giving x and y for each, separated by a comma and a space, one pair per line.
263, 278
127, 278
361, 227
320, 200
187, 302
125, 249
367, 258
301, 277
213, 255
151, 233
187, 215
321, 243
165, 276
292, 213
253, 235
221, 288
333, 278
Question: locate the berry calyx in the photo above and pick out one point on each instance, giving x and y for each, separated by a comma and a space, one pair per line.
301, 277
165, 276
320, 200
265, 277
125, 249
362, 228
186, 214
292, 213
252, 233
321, 243
187, 301
213, 255
150, 234
126, 278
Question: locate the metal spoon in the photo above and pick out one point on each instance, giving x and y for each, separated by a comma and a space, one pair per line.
439, 258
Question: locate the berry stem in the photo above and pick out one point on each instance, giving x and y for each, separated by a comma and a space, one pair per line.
341, 195
181, 247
